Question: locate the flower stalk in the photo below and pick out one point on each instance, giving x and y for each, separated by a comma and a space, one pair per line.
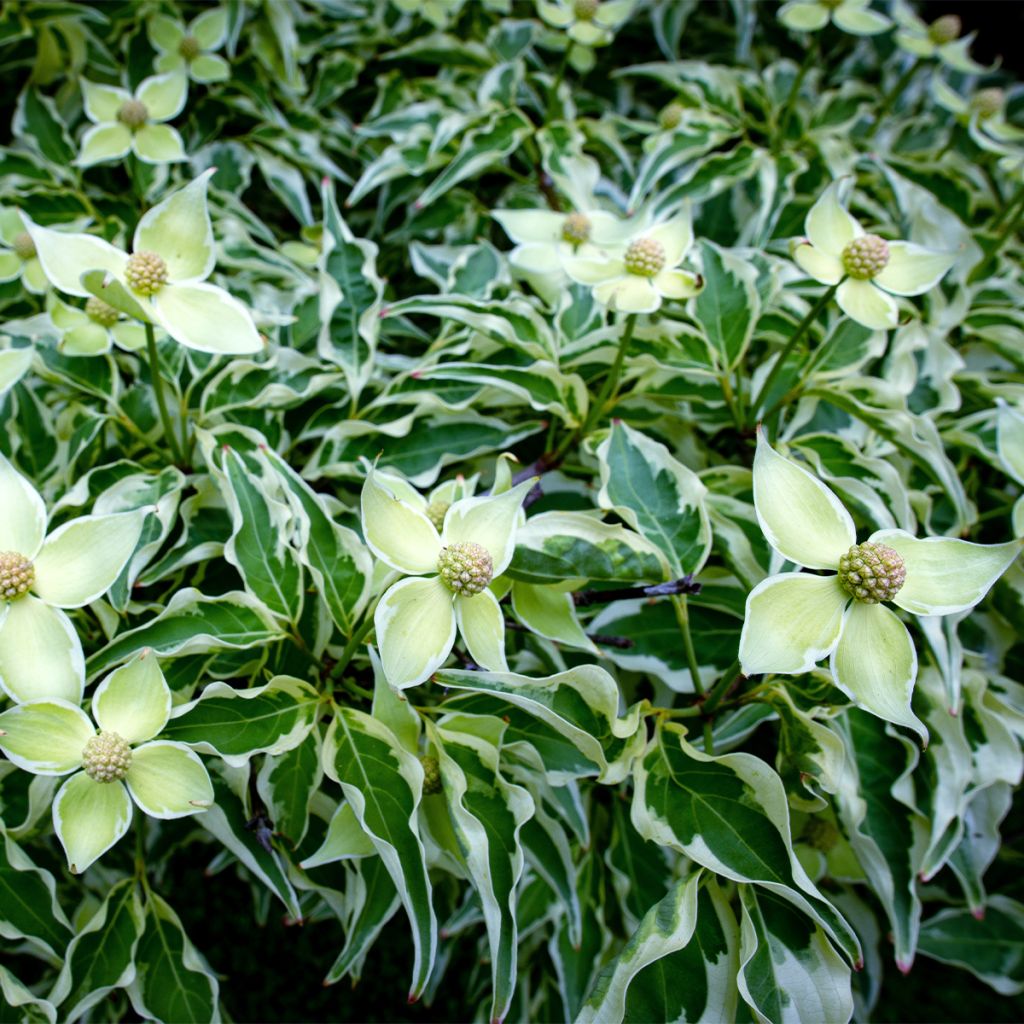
153, 359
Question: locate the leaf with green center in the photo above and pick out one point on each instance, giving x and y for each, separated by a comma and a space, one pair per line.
658, 496
237, 724
17, 1003
287, 783
28, 895
729, 306
172, 981
728, 814
581, 705
487, 814
384, 783
14, 364
101, 956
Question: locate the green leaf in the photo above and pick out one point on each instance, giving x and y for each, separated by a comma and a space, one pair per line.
729, 307
172, 981
729, 815
193, 623
582, 705
384, 784
991, 948
487, 813
259, 546
18, 1005
38, 124
101, 956
788, 970
28, 895
287, 783
236, 724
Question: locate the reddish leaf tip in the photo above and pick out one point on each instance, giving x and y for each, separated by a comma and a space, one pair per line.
978, 913
413, 997
904, 966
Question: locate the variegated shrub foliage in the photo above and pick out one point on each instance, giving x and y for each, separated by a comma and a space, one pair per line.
548, 473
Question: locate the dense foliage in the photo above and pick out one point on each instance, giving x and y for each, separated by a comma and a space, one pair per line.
545, 473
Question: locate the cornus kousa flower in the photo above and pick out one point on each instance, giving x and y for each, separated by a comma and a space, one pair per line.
587, 22
190, 49
92, 329
637, 276
19, 260
40, 653
941, 39
868, 269
123, 122
851, 16
163, 281
795, 619
448, 576
114, 765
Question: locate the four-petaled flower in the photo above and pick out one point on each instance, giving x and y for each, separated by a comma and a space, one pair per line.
90, 331
448, 577
20, 259
636, 276
794, 619
93, 810
40, 653
867, 268
851, 16
163, 280
124, 123
191, 49
587, 22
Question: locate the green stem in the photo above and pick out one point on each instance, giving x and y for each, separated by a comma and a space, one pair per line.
353, 645
895, 92
683, 618
709, 738
559, 76
802, 329
161, 400
1008, 206
1009, 227
721, 688
809, 60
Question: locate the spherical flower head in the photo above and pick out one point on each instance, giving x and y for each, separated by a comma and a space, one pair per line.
146, 273
189, 48
100, 312
872, 573
585, 9
465, 568
865, 257
576, 229
106, 757
988, 102
671, 115
831, 4
17, 574
645, 257
23, 245
133, 113
431, 775
436, 511
945, 29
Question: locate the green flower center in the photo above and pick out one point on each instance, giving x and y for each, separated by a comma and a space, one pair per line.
987, 102
17, 574
431, 775
436, 511
133, 113
466, 568
945, 29
872, 573
585, 9
100, 312
106, 757
645, 257
671, 115
189, 48
24, 246
576, 229
831, 4
146, 273
865, 257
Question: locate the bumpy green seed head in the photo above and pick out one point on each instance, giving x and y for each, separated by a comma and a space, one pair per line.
431, 775
24, 246
831, 4
436, 511
945, 29
576, 229
17, 574
820, 834
585, 9
988, 102
865, 257
189, 48
146, 273
645, 257
466, 568
106, 757
133, 113
671, 115
100, 312
872, 573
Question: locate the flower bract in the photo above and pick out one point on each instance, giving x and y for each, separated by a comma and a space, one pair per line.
190, 48
853, 16
19, 259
